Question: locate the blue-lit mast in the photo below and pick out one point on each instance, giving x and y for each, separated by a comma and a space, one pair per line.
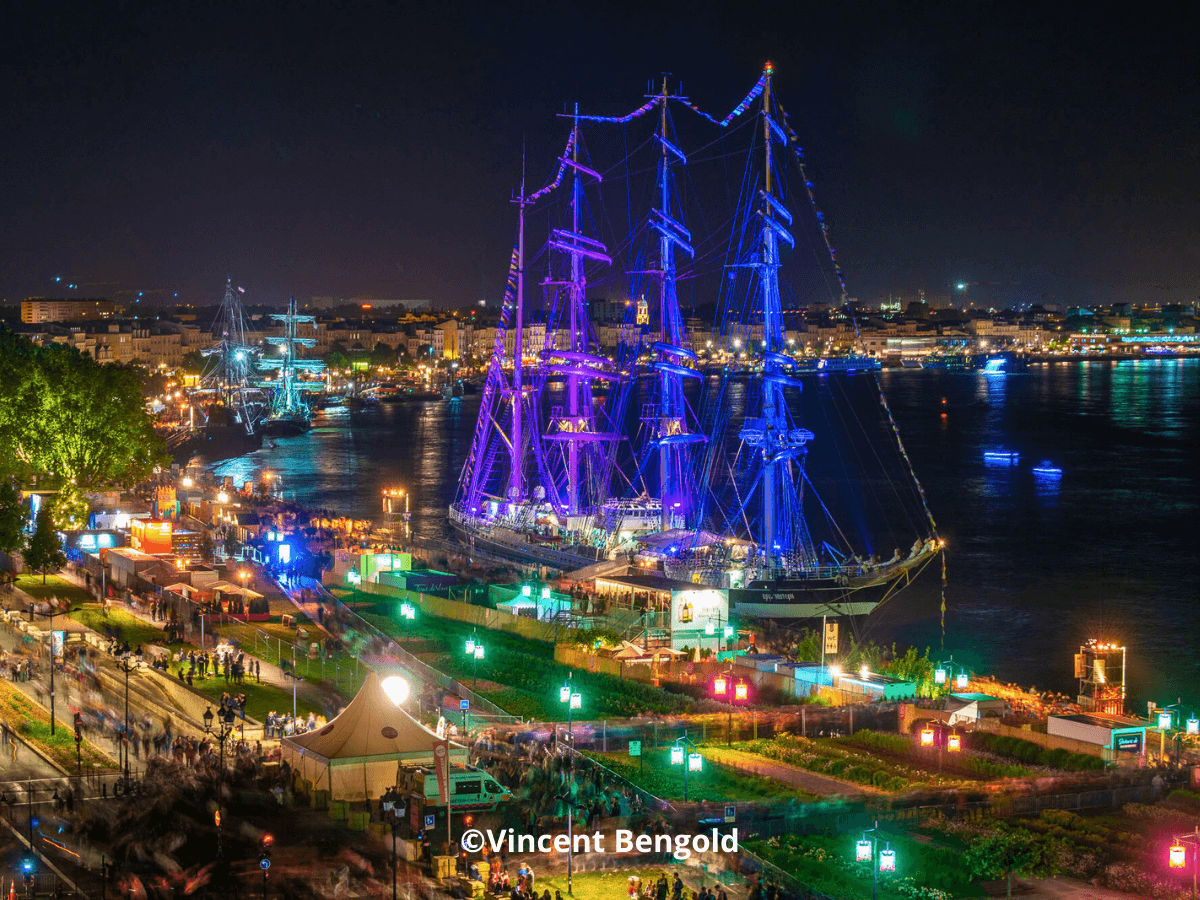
783, 538
672, 433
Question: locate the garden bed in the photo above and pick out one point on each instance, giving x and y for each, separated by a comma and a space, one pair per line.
714, 782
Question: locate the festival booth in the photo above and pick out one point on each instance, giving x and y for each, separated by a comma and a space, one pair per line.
358, 755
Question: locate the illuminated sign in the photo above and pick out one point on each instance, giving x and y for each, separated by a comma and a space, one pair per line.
927, 737
720, 686
695, 762
1178, 858
676, 756
887, 860
862, 851
740, 691
1129, 741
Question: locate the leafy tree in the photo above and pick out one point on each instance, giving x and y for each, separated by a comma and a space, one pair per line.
44, 553
382, 355
66, 417
1002, 853
193, 362
70, 509
12, 518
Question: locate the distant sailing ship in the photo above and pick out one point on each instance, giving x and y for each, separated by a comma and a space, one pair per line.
290, 414
230, 407
556, 475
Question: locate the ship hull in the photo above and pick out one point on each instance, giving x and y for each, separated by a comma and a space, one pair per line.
515, 547
217, 442
286, 427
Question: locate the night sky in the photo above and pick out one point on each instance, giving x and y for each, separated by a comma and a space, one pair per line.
356, 149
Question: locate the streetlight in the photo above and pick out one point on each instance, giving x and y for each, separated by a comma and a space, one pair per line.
725, 689
292, 675
129, 662
225, 720
1177, 858
393, 802
686, 753
475, 651
574, 701
869, 850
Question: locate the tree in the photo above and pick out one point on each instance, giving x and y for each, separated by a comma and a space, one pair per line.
66, 417
44, 552
1002, 853
12, 518
382, 355
193, 362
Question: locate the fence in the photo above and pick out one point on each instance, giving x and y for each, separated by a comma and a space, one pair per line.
469, 613
481, 707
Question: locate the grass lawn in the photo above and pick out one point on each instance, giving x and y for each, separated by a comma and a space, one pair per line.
610, 885
714, 782
529, 676
127, 626
340, 675
32, 722
260, 698
54, 587
826, 863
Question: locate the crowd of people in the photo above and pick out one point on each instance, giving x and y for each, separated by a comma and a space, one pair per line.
285, 725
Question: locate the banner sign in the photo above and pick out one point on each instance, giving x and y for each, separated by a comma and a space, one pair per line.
441, 766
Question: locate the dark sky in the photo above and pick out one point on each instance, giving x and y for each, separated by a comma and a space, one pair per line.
362, 148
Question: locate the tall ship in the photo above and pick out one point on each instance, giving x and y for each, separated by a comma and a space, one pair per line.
227, 409
701, 478
290, 413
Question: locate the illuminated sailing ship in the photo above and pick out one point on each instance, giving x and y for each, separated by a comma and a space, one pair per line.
723, 502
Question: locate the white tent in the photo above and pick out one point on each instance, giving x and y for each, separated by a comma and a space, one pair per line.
357, 755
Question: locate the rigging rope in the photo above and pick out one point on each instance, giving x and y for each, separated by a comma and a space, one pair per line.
810, 189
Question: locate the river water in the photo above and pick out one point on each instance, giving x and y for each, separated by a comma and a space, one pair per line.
1111, 550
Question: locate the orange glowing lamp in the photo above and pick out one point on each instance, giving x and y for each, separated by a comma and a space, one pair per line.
741, 691
954, 743
927, 737
720, 686
1178, 857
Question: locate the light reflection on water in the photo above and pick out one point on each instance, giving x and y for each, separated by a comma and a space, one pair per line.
1035, 567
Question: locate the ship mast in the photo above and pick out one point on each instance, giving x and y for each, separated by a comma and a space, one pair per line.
672, 432
516, 477
574, 424
784, 535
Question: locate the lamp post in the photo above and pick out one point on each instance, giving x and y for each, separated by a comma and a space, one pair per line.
881, 860
393, 802
225, 720
724, 688
292, 675
1178, 854
574, 701
684, 752
475, 651
129, 662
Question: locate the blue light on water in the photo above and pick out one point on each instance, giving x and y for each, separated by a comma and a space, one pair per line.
1001, 457
1047, 470
995, 366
